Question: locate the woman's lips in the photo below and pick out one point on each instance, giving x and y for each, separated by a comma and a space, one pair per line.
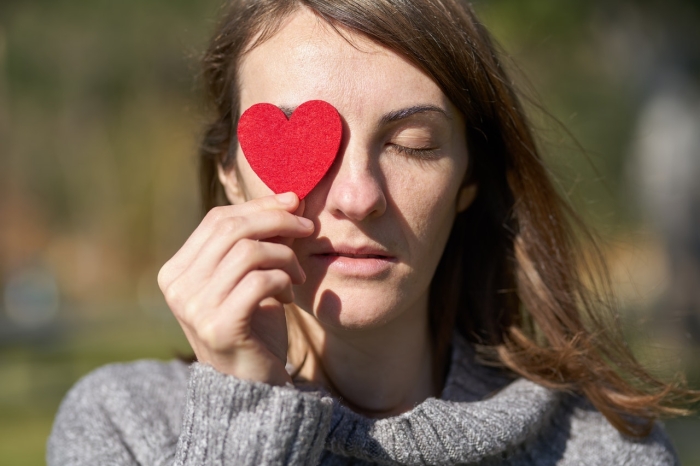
351, 264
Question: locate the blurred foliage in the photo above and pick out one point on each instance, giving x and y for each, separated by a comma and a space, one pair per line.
99, 118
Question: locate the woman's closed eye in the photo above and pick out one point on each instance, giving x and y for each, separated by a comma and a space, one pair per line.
422, 136
425, 152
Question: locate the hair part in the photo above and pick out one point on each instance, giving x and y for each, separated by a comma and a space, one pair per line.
514, 278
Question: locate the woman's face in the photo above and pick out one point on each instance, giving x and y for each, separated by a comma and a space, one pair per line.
391, 193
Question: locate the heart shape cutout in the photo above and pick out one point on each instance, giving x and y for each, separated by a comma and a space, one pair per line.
295, 154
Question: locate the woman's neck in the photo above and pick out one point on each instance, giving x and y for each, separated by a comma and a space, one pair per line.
378, 372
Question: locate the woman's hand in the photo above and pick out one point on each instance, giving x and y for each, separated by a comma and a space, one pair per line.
226, 286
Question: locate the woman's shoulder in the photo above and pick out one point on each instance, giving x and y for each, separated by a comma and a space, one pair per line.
532, 421
592, 439
567, 429
155, 380
151, 384
138, 399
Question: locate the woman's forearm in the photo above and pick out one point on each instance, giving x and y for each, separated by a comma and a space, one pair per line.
232, 421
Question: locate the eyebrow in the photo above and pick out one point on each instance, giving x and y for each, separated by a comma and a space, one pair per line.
403, 113
390, 117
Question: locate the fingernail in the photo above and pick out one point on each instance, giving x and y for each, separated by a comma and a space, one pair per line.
286, 198
305, 222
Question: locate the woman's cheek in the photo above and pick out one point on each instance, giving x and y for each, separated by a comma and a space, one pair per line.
426, 199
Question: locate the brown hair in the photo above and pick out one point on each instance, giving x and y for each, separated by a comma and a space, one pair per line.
513, 278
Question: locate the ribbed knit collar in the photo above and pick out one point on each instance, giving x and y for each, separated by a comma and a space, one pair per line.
485, 416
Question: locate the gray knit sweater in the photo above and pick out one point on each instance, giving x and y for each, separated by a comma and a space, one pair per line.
154, 413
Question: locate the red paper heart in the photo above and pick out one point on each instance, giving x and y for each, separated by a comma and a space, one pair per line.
294, 154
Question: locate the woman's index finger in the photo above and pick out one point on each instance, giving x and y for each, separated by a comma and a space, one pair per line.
285, 201
193, 245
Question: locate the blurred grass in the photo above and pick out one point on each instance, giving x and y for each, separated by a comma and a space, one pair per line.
99, 118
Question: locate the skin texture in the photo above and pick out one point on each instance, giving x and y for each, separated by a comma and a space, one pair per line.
369, 325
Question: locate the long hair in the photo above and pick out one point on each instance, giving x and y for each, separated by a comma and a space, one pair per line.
513, 278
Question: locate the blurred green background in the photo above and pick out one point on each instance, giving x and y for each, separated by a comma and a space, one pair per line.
100, 112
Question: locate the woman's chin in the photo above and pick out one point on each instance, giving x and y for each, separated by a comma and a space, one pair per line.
352, 311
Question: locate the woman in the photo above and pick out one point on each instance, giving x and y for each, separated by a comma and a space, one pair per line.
422, 305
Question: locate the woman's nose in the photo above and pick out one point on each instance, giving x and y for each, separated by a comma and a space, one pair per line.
357, 190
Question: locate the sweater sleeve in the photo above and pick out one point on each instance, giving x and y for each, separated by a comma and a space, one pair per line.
231, 421
151, 413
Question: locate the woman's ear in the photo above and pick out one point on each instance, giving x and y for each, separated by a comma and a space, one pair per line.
465, 197
232, 185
